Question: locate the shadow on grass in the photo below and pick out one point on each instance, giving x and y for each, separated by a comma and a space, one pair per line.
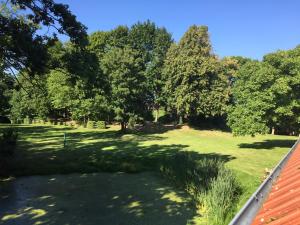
93, 199
269, 144
91, 151
111, 199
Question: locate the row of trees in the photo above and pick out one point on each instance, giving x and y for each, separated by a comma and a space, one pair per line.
117, 76
266, 95
131, 72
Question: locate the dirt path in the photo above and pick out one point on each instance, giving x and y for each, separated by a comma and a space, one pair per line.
101, 198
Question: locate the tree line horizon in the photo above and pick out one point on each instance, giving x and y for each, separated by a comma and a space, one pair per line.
127, 73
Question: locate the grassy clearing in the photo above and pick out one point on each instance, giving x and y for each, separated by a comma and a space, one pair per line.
40, 151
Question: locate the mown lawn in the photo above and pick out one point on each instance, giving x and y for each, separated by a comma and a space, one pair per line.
40, 151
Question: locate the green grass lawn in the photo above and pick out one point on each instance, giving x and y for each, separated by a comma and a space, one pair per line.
40, 151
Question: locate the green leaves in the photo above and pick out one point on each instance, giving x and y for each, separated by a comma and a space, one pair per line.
266, 95
124, 67
194, 79
59, 89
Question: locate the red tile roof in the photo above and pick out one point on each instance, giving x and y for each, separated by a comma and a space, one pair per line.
282, 206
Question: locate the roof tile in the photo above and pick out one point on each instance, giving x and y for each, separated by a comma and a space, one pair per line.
282, 206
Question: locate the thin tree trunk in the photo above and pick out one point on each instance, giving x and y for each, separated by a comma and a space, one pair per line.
273, 130
123, 126
156, 115
180, 120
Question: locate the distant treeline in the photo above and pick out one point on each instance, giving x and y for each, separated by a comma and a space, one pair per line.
129, 72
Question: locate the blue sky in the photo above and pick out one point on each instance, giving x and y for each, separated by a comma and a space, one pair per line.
249, 28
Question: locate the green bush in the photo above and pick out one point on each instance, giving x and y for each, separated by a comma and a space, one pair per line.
17, 121
27, 120
132, 121
194, 174
213, 187
220, 200
8, 140
90, 124
101, 124
167, 119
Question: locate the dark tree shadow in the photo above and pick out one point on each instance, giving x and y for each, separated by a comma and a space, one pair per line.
93, 199
269, 144
110, 199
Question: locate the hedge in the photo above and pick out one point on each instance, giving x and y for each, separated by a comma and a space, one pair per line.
27, 120
90, 124
101, 124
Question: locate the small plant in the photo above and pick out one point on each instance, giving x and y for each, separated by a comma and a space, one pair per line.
101, 124
8, 140
90, 124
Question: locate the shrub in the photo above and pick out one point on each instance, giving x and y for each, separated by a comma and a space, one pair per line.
8, 140
17, 121
27, 120
221, 198
167, 119
90, 124
4, 119
131, 122
195, 174
101, 124
213, 187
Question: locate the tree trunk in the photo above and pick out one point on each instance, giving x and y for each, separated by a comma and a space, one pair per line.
273, 130
156, 115
123, 127
180, 120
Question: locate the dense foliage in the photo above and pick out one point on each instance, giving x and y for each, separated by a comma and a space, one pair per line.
214, 188
125, 74
267, 95
195, 83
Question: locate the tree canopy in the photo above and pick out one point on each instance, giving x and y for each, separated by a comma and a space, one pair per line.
22, 47
127, 73
195, 83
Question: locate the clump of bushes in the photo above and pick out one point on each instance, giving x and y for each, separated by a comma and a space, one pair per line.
27, 120
101, 124
8, 140
220, 200
90, 124
193, 173
167, 119
213, 187
131, 122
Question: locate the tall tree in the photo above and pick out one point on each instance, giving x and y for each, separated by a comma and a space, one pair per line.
125, 70
31, 100
286, 116
195, 83
254, 99
60, 90
153, 43
266, 95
